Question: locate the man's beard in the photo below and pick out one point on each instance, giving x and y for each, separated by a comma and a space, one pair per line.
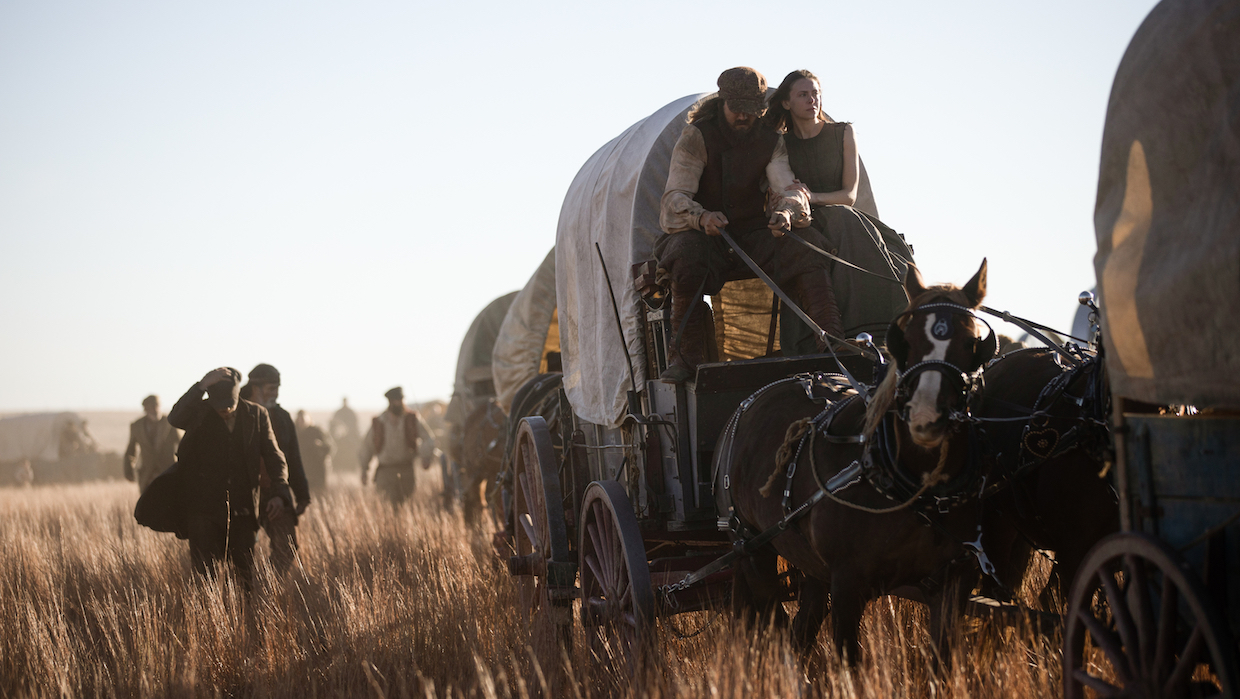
738, 136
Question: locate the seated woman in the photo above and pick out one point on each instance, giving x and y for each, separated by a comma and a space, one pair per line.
823, 156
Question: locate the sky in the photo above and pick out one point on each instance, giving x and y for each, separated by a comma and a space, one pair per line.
339, 188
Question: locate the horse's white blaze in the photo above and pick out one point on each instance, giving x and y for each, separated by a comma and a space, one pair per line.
923, 406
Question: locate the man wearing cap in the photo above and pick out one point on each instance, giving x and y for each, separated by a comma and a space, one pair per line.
153, 440
264, 388
394, 438
228, 453
725, 164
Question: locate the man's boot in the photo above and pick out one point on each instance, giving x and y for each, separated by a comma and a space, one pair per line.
687, 353
817, 298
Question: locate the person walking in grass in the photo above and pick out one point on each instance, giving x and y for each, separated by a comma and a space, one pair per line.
394, 439
264, 388
228, 455
152, 445
316, 450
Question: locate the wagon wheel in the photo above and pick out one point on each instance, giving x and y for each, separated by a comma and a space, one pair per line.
542, 565
617, 599
1151, 628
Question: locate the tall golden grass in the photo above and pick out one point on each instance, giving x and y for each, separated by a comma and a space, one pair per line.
408, 603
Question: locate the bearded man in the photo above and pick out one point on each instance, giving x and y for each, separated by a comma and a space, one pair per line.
724, 165
264, 388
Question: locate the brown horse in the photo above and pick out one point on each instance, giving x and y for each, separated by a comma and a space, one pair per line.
481, 457
883, 461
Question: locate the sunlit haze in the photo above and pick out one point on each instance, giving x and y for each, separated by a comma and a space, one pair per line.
338, 189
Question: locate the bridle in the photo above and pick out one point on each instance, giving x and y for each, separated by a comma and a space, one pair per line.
964, 380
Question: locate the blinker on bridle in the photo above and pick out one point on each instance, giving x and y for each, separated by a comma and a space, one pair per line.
941, 329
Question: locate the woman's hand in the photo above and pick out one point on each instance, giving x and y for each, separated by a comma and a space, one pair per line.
798, 187
275, 509
780, 222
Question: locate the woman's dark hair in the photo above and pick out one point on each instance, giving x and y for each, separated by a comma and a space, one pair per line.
779, 117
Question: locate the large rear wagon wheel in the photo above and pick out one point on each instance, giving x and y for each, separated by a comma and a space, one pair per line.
1140, 624
617, 599
543, 566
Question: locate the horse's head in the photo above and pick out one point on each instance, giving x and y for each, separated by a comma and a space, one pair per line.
937, 344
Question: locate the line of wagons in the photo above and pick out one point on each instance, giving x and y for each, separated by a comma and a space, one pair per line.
620, 500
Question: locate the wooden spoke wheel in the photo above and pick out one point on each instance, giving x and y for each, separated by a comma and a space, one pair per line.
1140, 624
617, 599
544, 570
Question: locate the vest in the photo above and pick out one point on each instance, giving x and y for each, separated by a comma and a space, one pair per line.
732, 179
412, 435
818, 161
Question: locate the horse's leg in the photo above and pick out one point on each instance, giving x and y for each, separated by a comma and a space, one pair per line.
847, 605
946, 607
815, 602
755, 589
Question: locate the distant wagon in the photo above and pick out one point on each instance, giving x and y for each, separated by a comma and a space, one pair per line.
57, 446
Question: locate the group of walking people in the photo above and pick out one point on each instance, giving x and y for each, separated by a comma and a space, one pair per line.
238, 468
760, 167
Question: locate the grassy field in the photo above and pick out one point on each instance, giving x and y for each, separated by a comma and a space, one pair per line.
391, 604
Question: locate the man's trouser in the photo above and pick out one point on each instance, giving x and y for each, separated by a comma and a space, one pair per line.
397, 481
213, 539
283, 535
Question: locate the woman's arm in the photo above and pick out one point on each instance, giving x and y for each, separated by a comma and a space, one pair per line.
848, 194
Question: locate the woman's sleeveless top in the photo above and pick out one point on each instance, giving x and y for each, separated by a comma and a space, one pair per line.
818, 161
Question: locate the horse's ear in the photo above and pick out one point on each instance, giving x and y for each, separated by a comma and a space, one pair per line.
975, 289
914, 285
897, 345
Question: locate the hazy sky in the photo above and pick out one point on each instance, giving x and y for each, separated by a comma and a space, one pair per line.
338, 189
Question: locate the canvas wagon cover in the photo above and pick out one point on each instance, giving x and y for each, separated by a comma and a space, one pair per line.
614, 201
34, 436
528, 329
1167, 217
473, 364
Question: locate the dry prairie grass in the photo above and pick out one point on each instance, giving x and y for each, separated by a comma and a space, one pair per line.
389, 604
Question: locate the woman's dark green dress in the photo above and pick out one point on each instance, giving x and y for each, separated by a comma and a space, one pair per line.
867, 303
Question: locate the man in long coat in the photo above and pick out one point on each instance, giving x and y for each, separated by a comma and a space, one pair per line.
228, 453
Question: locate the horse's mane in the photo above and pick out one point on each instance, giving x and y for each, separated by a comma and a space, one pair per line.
885, 392
941, 292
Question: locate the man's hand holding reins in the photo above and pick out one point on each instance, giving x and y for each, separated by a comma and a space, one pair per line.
712, 221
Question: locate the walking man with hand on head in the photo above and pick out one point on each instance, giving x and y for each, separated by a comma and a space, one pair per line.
394, 438
264, 388
228, 454
152, 443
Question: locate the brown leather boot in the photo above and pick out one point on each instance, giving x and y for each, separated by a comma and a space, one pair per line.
687, 354
817, 299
